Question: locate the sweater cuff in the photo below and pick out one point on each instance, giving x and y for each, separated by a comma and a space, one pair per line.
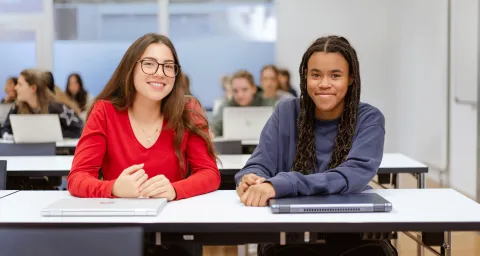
108, 187
282, 185
178, 191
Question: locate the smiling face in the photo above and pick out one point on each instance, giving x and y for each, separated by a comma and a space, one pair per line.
151, 85
243, 91
328, 79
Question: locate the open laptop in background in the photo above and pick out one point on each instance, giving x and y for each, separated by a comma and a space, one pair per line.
4, 109
105, 207
36, 128
245, 123
362, 202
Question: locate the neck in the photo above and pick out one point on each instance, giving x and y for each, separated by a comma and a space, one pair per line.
269, 94
146, 111
332, 114
33, 102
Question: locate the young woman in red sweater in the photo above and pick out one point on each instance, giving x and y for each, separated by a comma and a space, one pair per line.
143, 133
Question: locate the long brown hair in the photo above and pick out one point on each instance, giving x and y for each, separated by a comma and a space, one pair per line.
120, 91
305, 157
44, 97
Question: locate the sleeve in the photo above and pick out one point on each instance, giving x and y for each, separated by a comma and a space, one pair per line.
205, 176
7, 126
352, 176
217, 121
263, 161
83, 177
71, 123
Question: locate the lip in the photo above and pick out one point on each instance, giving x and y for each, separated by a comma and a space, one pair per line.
323, 94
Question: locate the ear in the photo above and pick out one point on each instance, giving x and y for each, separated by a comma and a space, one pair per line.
255, 88
34, 87
350, 80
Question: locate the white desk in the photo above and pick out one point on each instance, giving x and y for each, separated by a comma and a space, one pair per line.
229, 165
65, 143
5, 193
222, 212
244, 142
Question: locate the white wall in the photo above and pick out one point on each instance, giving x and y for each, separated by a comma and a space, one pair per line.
365, 24
463, 125
403, 50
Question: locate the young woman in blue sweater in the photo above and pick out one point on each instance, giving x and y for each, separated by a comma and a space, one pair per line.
326, 142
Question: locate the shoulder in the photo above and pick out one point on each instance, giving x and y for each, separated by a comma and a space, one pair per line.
369, 115
57, 107
194, 111
288, 108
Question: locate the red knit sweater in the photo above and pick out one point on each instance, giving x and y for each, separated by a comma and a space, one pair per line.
108, 142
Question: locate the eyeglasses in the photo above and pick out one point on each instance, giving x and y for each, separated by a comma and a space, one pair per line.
150, 67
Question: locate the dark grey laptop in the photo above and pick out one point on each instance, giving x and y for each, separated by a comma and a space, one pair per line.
363, 202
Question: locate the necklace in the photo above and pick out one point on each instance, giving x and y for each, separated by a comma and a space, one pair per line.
149, 138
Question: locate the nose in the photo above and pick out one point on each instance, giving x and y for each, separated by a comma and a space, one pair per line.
324, 83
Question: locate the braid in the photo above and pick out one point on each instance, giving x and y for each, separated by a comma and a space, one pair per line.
305, 157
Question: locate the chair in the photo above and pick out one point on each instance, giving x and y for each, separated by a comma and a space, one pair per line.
59, 241
28, 149
228, 147
3, 174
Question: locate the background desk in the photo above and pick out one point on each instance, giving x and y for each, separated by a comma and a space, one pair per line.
219, 217
5, 193
229, 165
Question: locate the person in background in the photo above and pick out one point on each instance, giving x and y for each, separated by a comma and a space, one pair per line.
284, 80
10, 94
59, 95
226, 82
270, 85
143, 110
33, 97
76, 91
244, 94
186, 83
326, 142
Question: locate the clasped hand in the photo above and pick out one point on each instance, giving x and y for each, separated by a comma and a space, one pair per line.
133, 182
254, 191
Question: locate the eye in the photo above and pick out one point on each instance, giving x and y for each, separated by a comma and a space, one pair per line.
148, 63
335, 75
315, 75
170, 66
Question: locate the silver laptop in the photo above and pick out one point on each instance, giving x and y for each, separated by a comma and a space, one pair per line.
362, 202
245, 123
36, 128
84, 207
4, 110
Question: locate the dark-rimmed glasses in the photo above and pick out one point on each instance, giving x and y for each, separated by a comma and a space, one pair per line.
150, 67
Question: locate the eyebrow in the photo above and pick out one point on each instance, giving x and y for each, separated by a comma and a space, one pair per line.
332, 71
152, 58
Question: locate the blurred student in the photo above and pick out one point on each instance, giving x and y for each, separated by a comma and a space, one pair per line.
33, 97
326, 142
244, 94
186, 85
226, 87
10, 94
76, 91
271, 91
59, 95
284, 80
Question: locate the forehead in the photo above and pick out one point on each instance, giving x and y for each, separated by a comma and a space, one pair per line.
269, 72
158, 51
240, 82
327, 61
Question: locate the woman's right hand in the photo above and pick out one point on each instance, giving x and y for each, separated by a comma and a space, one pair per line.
129, 181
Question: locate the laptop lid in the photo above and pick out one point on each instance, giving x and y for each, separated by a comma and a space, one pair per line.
362, 202
245, 123
35, 128
82, 207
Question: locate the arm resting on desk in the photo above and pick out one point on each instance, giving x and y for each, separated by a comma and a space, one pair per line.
351, 176
83, 178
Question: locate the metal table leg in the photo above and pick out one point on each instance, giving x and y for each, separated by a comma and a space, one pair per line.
421, 182
446, 249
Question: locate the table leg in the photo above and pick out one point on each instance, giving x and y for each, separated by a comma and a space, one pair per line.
420, 249
242, 250
421, 182
446, 248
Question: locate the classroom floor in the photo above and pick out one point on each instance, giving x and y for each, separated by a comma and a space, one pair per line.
463, 243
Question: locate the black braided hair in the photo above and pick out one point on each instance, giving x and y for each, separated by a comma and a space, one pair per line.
305, 156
